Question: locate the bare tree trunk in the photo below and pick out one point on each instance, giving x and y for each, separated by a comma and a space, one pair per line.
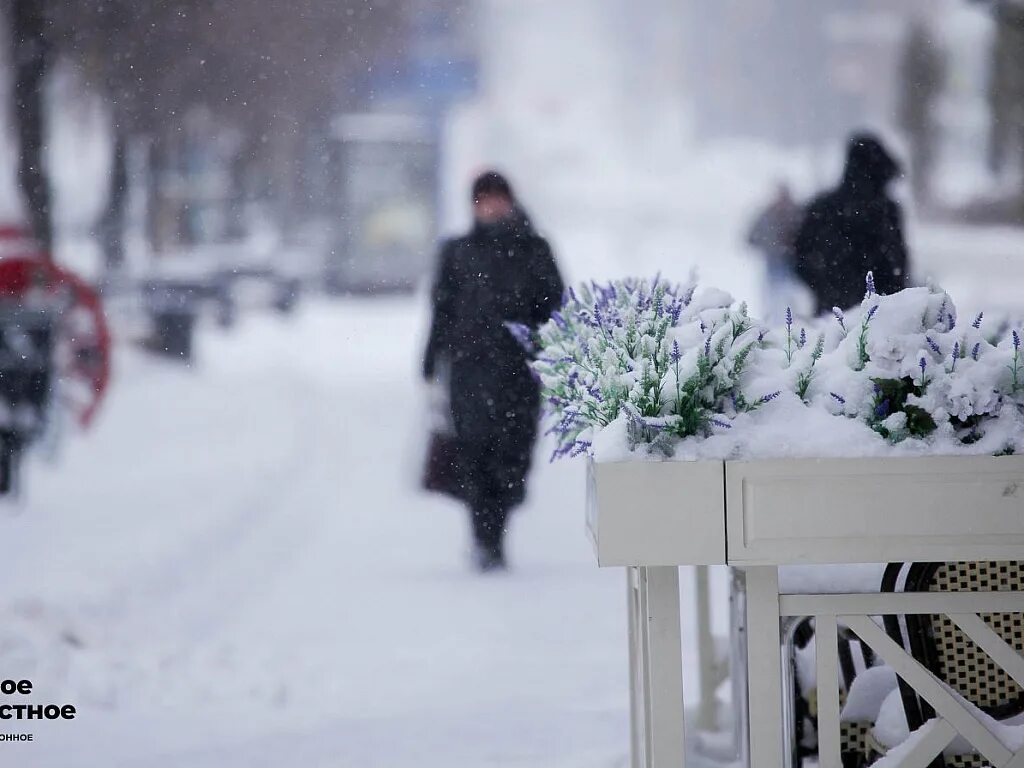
32, 56
111, 225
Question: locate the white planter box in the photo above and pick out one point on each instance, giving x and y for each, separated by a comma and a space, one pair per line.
657, 513
875, 510
807, 511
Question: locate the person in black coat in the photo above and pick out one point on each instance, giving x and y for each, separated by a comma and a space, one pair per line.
854, 229
501, 272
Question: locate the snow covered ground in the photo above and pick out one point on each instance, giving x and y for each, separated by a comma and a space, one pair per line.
236, 569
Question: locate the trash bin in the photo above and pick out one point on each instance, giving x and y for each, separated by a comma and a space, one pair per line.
172, 332
173, 306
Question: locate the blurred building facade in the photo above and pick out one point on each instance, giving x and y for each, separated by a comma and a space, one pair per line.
794, 72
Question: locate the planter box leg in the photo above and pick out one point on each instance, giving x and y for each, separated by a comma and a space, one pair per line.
707, 653
636, 694
656, 671
764, 668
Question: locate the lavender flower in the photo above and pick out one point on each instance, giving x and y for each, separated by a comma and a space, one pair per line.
976, 351
579, 448
871, 312
956, 355
768, 398
789, 318
935, 347
803, 339
882, 409
707, 347
838, 314
721, 423
977, 320
869, 283
922, 364
559, 320
1016, 340
676, 354
838, 398
950, 321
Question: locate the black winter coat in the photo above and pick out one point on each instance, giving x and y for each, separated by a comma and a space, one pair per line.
852, 230
494, 275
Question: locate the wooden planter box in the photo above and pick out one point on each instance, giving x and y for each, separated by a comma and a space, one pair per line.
806, 511
657, 513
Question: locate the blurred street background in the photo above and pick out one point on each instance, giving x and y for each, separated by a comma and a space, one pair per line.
232, 564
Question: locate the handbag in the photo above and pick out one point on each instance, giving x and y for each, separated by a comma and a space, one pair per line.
442, 470
441, 473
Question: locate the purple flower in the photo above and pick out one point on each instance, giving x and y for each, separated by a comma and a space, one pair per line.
869, 283
676, 353
572, 295
935, 347
956, 355
838, 314
707, 347
922, 364
789, 317
721, 423
768, 398
803, 338
978, 319
882, 409
677, 310
559, 320
976, 351
871, 312
760, 335
1016, 341
578, 448
838, 398
950, 321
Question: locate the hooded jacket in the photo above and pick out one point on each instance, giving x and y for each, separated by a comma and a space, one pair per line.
854, 229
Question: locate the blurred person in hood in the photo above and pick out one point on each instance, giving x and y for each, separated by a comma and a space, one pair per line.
854, 229
772, 235
500, 272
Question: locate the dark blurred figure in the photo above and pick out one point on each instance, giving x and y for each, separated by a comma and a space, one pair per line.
773, 234
854, 229
501, 272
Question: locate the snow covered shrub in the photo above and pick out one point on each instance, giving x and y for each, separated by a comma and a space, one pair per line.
662, 361
656, 364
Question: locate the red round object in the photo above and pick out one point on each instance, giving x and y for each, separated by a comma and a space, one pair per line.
83, 337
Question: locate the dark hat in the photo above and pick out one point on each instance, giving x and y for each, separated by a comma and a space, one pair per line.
492, 183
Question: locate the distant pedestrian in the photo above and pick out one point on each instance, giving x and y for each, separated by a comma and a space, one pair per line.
854, 229
773, 235
501, 272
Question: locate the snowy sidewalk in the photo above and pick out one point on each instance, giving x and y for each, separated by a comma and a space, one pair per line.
236, 569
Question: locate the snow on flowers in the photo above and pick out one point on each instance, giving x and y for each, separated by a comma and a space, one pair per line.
652, 365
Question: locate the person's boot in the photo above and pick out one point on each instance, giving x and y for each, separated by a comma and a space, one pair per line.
490, 551
489, 557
